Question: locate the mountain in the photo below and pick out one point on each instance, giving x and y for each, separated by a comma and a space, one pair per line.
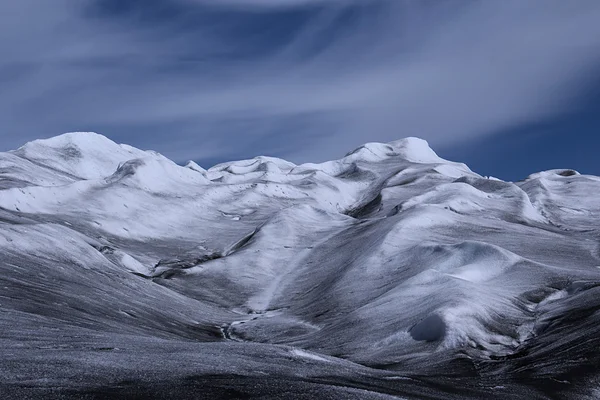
387, 273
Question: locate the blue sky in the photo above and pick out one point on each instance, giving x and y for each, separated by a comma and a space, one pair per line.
509, 87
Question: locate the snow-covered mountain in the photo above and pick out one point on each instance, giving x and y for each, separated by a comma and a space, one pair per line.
389, 272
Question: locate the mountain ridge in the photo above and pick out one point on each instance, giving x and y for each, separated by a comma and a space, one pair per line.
406, 274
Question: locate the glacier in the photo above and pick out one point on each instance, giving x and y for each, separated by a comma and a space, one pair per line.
389, 273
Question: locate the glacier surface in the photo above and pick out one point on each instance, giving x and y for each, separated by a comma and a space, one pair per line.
388, 273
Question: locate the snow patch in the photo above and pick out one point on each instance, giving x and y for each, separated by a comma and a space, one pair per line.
310, 356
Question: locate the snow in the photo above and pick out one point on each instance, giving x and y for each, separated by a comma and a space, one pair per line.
195, 167
310, 356
83, 155
133, 265
156, 175
415, 150
390, 261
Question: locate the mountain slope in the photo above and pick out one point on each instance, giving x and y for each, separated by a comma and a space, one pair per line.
389, 272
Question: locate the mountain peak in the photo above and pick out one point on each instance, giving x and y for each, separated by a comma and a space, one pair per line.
411, 149
83, 155
416, 150
79, 139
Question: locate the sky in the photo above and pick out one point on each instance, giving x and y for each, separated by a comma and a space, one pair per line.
509, 87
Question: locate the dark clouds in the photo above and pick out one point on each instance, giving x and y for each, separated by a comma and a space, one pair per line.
304, 79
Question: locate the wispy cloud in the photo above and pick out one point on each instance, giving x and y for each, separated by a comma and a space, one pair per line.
278, 4
209, 79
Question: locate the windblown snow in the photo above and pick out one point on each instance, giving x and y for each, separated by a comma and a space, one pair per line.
390, 272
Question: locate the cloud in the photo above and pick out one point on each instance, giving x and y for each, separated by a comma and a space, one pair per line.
278, 4
207, 79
